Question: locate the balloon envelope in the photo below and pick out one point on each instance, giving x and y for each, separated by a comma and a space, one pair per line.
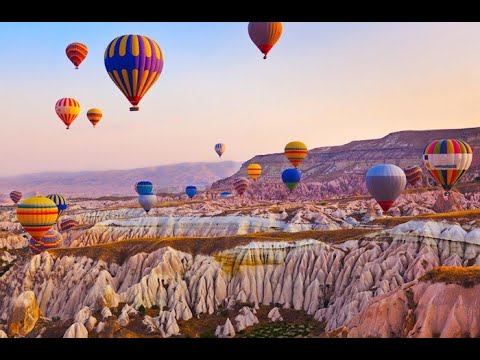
296, 152
16, 196
134, 63
385, 182
60, 201
144, 187
254, 171
447, 161
413, 174
68, 224
76, 53
240, 185
67, 110
220, 149
265, 35
37, 215
51, 240
291, 178
191, 191
147, 201
94, 115
225, 194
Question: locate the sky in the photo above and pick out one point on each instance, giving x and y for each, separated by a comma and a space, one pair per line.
323, 83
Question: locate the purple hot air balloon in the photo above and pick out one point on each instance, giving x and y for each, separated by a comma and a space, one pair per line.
16, 196
52, 239
385, 182
240, 185
413, 174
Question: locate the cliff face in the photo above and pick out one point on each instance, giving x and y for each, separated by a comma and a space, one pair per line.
340, 170
332, 283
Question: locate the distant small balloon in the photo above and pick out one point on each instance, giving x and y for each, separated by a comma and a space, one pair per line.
265, 35
240, 185
76, 53
51, 240
68, 224
254, 171
413, 174
16, 196
296, 152
225, 194
144, 187
60, 201
291, 178
191, 191
67, 110
147, 201
94, 116
220, 149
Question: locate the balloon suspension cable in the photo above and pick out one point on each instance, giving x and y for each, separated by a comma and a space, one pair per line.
134, 108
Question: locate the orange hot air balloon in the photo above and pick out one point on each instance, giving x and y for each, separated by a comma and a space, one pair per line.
254, 171
76, 53
67, 110
296, 152
265, 35
94, 115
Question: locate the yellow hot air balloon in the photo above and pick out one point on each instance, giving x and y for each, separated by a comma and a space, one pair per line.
37, 215
254, 171
296, 152
94, 115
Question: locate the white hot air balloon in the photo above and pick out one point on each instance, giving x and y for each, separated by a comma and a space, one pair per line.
147, 201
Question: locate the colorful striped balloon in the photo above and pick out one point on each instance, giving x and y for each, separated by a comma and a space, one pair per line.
254, 171
60, 201
240, 185
76, 53
296, 152
144, 187
447, 161
16, 196
265, 35
37, 215
67, 110
51, 240
385, 182
134, 63
68, 224
413, 174
94, 115
291, 178
220, 149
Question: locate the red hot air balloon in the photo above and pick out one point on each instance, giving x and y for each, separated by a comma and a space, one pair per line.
265, 35
240, 185
76, 53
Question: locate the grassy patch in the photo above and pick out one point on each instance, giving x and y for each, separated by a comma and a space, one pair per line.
463, 276
280, 330
459, 216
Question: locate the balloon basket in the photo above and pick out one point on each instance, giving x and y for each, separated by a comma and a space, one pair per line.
134, 108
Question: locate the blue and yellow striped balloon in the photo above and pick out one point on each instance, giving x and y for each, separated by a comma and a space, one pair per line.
60, 201
52, 239
134, 63
37, 215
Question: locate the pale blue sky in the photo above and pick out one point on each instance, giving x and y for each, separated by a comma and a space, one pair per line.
323, 83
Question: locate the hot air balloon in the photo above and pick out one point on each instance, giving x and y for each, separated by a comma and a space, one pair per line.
477, 178
144, 187
225, 194
240, 184
191, 191
68, 224
147, 201
37, 215
60, 201
296, 151
385, 182
291, 177
51, 240
254, 171
16, 196
134, 63
413, 174
265, 35
94, 115
76, 53
447, 161
67, 110
220, 149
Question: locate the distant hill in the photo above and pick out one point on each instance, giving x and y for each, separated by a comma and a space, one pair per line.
340, 170
120, 182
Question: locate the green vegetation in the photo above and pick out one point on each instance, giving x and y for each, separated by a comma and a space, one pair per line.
280, 330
